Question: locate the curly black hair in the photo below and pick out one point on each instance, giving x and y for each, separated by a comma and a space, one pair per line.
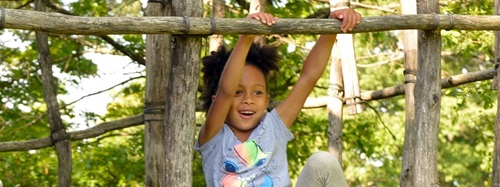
264, 57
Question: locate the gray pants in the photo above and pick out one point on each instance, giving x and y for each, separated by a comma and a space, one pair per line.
321, 169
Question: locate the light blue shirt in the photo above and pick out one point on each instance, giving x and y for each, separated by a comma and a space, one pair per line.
260, 161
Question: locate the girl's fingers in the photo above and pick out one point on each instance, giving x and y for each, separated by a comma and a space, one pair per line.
264, 18
269, 19
352, 22
351, 19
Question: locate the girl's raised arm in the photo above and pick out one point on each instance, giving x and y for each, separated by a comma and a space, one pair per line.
313, 68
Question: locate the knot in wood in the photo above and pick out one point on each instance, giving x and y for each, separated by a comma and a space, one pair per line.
435, 98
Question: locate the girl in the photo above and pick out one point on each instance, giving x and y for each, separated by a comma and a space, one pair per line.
241, 143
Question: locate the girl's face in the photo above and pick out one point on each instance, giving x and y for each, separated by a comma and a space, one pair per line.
250, 102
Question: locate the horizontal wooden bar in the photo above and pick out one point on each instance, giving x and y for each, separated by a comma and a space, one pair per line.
65, 24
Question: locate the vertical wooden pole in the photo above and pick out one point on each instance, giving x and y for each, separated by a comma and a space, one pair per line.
496, 154
427, 100
335, 101
352, 93
180, 119
218, 11
158, 64
410, 64
258, 6
58, 135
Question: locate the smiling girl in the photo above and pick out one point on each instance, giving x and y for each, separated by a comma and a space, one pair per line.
241, 143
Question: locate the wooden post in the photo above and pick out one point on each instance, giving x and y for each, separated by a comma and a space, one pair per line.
410, 64
335, 101
158, 64
427, 100
258, 6
218, 11
59, 136
494, 84
349, 70
180, 119
496, 154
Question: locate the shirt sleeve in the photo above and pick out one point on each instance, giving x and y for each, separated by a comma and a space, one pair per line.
282, 132
211, 143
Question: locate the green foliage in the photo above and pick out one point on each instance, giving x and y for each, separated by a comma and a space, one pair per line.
119, 161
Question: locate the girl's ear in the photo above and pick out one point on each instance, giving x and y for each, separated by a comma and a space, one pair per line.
213, 97
268, 98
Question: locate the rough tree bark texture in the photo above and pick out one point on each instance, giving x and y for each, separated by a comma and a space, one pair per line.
334, 105
158, 64
59, 136
180, 124
410, 64
427, 100
335, 101
496, 154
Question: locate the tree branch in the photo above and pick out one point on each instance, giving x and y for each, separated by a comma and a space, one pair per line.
452, 81
74, 136
101, 91
116, 45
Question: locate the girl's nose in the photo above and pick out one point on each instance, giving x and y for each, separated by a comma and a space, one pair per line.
248, 99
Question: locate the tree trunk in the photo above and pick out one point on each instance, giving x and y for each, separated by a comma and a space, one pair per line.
158, 65
59, 136
410, 64
496, 154
335, 101
180, 125
427, 100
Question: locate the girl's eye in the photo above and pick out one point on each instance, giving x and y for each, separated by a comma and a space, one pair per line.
258, 93
239, 92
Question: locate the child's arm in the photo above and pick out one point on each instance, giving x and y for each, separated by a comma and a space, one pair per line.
313, 68
229, 81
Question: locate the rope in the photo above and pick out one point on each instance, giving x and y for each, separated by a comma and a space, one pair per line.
355, 101
154, 108
58, 135
410, 72
2, 18
436, 23
452, 21
336, 91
